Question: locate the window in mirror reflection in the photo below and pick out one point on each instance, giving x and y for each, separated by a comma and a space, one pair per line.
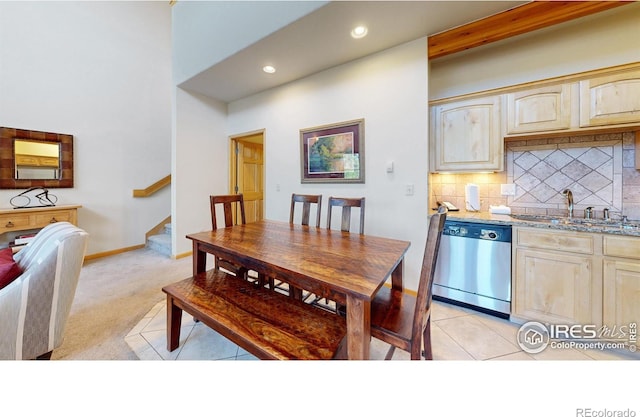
37, 160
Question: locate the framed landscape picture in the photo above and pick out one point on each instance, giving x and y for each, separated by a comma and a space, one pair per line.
333, 153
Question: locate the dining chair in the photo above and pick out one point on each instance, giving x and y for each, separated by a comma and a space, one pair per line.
345, 225
306, 200
404, 320
229, 203
347, 204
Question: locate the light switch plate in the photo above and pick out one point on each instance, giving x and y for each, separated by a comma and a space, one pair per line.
390, 167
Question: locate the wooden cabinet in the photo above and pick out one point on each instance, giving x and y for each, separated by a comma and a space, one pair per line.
539, 109
12, 220
621, 281
556, 277
574, 277
621, 297
610, 99
467, 135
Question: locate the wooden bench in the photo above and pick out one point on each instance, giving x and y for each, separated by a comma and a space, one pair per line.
265, 323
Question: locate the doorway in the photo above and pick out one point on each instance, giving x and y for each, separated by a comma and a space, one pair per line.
247, 172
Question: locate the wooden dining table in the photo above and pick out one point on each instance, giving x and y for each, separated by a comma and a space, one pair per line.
348, 268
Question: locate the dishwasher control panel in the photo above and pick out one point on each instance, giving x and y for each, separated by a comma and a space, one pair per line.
477, 231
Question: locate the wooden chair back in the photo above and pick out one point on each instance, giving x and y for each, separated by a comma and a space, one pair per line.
306, 201
401, 319
228, 202
427, 272
346, 204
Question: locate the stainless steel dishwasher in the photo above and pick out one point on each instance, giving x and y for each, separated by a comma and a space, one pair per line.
474, 266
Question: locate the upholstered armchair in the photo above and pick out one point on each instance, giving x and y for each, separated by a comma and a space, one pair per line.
35, 306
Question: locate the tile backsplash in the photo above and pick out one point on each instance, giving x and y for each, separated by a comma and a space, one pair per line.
598, 169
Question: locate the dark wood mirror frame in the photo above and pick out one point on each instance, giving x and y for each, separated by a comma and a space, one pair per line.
7, 158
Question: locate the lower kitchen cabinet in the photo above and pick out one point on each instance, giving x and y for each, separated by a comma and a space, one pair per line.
556, 277
621, 280
556, 287
621, 292
567, 277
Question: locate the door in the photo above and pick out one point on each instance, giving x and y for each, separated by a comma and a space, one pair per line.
247, 173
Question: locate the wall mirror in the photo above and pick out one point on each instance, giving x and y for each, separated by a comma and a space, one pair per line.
36, 160
31, 158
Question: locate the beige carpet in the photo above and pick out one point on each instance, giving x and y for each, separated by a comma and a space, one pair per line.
113, 295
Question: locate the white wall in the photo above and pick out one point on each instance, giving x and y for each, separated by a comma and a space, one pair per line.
200, 164
607, 39
389, 91
100, 71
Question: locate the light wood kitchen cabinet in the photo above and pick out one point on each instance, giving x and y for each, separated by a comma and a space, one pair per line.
540, 109
467, 135
556, 277
621, 281
610, 99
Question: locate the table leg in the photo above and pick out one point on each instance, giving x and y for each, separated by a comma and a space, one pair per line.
396, 276
174, 321
199, 259
358, 328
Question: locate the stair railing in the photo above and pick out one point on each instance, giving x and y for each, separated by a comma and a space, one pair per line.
153, 188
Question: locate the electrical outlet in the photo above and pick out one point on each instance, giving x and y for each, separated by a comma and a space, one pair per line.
408, 190
507, 189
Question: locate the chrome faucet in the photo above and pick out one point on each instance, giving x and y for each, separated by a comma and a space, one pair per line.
569, 196
588, 213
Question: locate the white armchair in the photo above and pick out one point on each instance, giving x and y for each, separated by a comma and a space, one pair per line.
34, 308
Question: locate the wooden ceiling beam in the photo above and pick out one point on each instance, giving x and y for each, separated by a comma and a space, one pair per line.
522, 19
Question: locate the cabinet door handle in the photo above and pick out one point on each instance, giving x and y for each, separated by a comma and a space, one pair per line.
53, 220
10, 224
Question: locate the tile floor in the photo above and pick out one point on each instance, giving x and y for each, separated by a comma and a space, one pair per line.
457, 334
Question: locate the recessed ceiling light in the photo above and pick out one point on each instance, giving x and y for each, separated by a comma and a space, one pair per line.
359, 32
268, 69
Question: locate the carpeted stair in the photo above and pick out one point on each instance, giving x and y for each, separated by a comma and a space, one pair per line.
161, 243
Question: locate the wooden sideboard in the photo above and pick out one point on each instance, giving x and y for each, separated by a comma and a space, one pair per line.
13, 220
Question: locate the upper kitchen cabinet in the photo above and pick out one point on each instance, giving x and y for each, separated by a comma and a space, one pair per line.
610, 99
467, 135
539, 109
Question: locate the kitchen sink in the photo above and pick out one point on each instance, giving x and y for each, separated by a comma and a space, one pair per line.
566, 221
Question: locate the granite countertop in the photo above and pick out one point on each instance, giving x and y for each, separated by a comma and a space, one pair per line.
629, 228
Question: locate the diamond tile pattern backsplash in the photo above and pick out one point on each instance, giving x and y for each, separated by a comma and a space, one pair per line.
542, 172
